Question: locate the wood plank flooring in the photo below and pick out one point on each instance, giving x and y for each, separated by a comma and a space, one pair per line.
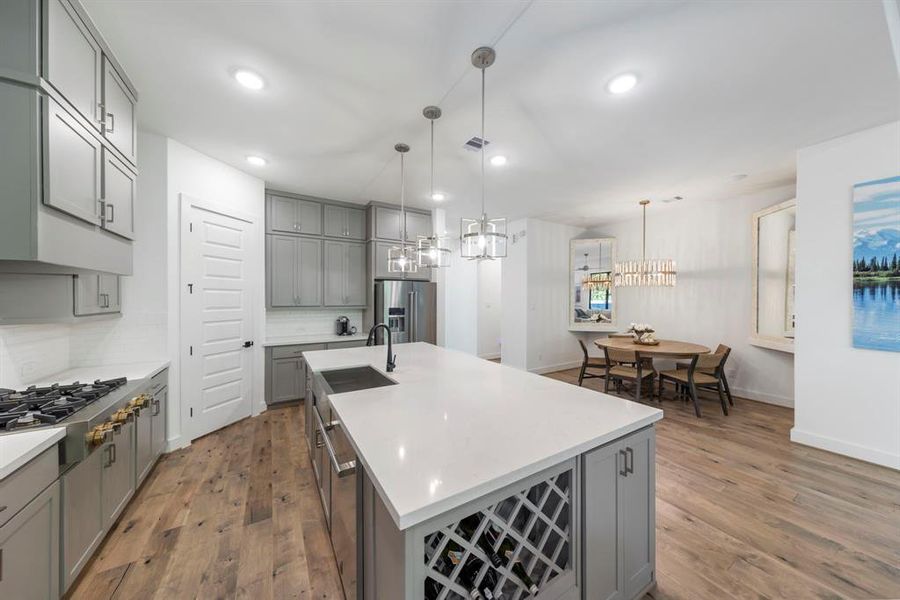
741, 513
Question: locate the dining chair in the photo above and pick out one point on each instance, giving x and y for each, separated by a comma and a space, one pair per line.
627, 365
704, 371
590, 362
720, 349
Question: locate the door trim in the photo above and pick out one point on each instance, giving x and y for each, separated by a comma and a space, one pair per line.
185, 203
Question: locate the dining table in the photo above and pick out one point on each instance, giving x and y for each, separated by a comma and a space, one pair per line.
664, 349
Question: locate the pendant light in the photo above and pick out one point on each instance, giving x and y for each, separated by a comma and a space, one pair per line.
402, 258
647, 271
432, 251
482, 238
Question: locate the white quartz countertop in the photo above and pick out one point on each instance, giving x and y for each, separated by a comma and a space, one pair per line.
457, 427
311, 338
16, 449
133, 371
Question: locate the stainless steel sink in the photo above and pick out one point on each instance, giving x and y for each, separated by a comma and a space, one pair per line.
354, 378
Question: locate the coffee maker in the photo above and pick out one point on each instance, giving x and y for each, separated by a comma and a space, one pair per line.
342, 326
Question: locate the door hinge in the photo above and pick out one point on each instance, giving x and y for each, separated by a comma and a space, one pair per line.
190, 288
191, 350
192, 411
190, 227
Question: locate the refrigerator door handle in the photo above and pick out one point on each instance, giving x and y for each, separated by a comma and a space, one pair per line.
411, 317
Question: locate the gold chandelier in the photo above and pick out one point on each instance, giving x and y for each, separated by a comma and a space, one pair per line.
646, 272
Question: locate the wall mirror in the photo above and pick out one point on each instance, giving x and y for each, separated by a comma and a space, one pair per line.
774, 276
592, 297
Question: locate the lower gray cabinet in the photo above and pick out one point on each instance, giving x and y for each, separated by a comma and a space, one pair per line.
619, 518
117, 476
287, 379
143, 444
29, 550
158, 412
83, 524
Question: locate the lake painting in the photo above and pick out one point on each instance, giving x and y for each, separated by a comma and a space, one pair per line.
876, 264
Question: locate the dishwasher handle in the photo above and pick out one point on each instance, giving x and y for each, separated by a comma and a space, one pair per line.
340, 469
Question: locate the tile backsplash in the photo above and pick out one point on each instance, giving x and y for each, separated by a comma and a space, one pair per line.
308, 322
30, 352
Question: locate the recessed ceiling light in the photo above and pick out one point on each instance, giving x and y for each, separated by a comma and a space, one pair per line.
498, 161
249, 79
437, 197
256, 161
621, 83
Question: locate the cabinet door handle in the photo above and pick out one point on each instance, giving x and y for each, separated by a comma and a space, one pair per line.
629, 460
624, 470
112, 213
112, 119
112, 453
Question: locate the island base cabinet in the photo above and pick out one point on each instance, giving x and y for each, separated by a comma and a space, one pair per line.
619, 518
29, 550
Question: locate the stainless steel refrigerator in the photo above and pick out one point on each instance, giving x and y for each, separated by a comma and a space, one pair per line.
409, 308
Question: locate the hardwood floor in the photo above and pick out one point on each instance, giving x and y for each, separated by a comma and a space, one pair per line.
741, 513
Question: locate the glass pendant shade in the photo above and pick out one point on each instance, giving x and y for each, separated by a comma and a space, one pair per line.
646, 272
483, 238
432, 252
402, 257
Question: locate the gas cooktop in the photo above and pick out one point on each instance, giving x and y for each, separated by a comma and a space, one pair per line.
38, 406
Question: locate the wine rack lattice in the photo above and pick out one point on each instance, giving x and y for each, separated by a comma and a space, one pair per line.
538, 522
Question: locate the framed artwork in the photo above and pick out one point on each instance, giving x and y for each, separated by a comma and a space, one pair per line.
876, 264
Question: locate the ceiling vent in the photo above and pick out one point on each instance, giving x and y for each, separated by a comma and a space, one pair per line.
474, 144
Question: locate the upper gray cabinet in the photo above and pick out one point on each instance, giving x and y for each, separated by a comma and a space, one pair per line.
387, 223
119, 123
345, 222
67, 121
117, 204
293, 215
417, 224
97, 294
345, 274
294, 271
72, 60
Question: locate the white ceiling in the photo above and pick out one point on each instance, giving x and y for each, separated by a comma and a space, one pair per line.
725, 88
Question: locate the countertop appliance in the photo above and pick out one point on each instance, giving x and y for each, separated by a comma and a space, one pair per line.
408, 308
342, 326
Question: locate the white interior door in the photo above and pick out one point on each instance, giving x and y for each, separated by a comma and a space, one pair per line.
216, 316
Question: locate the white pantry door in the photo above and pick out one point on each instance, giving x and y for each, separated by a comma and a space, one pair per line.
216, 316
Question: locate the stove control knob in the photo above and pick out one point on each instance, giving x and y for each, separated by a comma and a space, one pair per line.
121, 416
96, 436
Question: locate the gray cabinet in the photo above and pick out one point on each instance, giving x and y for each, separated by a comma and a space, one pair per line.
345, 274
143, 445
345, 222
159, 409
29, 549
387, 223
294, 271
417, 224
287, 379
96, 294
619, 518
72, 60
82, 521
119, 123
117, 475
380, 261
72, 166
119, 192
293, 215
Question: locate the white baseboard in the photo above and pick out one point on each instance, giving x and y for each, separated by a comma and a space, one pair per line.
763, 397
491, 356
865, 453
558, 367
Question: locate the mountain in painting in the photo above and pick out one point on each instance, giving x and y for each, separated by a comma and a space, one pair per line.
880, 243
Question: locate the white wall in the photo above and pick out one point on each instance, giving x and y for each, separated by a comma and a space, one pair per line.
460, 301
490, 311
711, 303
194, 174
847, 399
535, 301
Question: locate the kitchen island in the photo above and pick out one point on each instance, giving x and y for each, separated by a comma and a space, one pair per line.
454, 473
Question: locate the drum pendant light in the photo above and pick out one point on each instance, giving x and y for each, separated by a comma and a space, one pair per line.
432, 251
482, 238
402, 258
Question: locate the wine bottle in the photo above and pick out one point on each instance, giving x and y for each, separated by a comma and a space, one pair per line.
469, 525
506, 551
489, 584
432, 589
519, 571
468, 577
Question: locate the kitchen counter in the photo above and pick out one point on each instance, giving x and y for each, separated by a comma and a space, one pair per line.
457, 427
17, 448
311, 338
133, 371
